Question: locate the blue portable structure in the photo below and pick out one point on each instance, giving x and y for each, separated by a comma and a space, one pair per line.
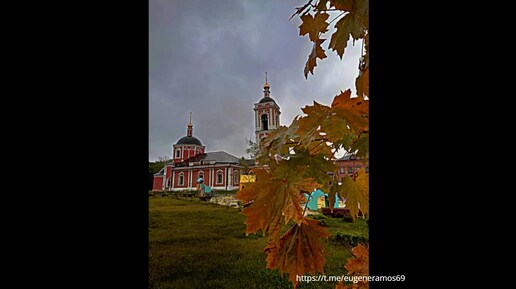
313, 200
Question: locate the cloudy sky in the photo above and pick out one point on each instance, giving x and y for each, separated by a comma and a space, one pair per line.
210, 58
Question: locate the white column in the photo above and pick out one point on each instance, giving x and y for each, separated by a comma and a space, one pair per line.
190, 179
226, 182
230, 174
164, 182
172, 183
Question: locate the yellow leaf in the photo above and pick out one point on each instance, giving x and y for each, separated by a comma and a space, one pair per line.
356, 192
354, 110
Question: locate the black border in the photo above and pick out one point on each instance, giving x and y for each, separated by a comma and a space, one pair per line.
103, 81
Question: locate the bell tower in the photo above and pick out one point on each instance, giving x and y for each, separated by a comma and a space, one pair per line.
266, 114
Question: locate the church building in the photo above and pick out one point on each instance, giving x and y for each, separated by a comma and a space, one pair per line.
220, 170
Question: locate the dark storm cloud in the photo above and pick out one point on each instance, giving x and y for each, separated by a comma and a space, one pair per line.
209, 57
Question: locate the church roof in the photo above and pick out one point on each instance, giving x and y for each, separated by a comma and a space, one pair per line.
217, 157
348, 157
161, 172
189, 140
221, 157
266, 99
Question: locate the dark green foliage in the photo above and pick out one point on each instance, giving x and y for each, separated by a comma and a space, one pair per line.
350, 240
348, 218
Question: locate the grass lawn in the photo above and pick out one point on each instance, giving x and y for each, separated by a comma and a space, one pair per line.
195, 244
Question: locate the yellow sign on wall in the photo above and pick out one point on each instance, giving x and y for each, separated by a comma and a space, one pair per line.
244, 179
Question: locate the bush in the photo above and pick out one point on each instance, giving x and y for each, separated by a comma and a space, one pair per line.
321, 218
348, 218
349, 239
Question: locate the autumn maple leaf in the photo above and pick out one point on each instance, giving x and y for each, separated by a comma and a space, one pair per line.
354, 110
356, 192
357, 266
274, 195
298, 251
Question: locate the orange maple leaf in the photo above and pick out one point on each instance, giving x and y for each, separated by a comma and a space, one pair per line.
357, 266
313, 25
274, 195
298, 251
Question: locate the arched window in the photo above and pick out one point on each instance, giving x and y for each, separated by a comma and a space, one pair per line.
236, 178
201, 175
181, 181
219, 177
178, 153
265, 122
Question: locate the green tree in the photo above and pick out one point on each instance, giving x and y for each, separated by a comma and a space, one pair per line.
155, 167
252, 149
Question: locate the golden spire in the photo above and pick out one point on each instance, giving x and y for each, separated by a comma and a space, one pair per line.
190, 123
266, 85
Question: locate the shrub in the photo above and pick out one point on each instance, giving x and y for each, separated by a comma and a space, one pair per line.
348, 218
321, 218
349, 239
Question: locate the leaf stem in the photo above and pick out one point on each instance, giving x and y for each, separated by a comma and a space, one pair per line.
306, 205
344, 245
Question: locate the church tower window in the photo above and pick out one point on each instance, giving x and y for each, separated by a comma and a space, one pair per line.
265, 122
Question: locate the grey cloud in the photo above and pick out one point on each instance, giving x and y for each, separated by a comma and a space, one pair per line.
209, 57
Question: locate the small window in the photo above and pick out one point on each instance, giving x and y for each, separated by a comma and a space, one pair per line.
178, 153
201, 175
367, 169
181, 179
350, 170
341, 170
235, 179
219, 177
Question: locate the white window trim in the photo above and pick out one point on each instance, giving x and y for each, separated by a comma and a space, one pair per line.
179, 183
221, 173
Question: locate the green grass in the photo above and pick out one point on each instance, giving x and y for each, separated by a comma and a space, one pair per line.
194, 244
